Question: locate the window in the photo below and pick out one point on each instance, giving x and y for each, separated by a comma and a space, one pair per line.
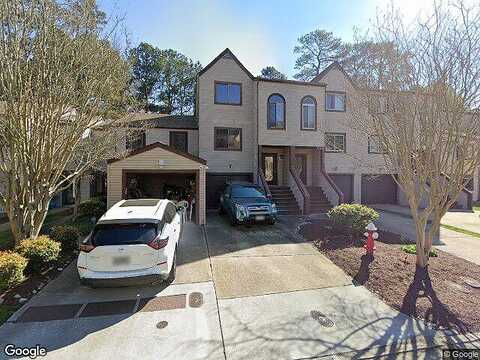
123, 234
179, 140
276, 112
228, 93
135, 139
309, 113
246, 192
228, 139
374, 145
335, 142
335, 101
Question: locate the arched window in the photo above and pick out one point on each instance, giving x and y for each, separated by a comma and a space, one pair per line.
309, 113
276, 112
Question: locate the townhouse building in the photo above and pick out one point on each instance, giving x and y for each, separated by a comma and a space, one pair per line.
290, 137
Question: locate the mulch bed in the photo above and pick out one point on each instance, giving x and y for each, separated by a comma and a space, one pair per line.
35, 282
444, 299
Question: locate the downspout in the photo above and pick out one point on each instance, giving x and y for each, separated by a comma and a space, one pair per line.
258, 129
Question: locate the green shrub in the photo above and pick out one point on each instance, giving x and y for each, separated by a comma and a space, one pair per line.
12, 266
412, 249
66, 235
40, 252
351, 218
92, 208
83, 225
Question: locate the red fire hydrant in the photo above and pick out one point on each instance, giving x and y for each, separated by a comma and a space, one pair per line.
371, 235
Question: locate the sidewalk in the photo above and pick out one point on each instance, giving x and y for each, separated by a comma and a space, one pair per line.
397, 219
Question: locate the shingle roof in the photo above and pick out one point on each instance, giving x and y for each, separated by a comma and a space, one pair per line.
166, 121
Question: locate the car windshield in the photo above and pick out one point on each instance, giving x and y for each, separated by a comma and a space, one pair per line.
246, 192
123, 234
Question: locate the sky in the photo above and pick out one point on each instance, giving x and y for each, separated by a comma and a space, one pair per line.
260, 33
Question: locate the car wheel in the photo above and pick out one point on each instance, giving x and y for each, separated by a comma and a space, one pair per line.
173, 270
271, 222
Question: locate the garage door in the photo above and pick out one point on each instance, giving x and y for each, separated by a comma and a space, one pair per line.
216, 184
345, 183
378, 189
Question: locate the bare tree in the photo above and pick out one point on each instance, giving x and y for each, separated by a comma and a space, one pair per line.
60, 77
424, 111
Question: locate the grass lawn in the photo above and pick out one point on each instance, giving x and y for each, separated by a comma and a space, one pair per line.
6, 311
6, 237
460, 230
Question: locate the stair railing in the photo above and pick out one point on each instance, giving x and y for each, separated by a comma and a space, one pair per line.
264, 183
329, 179
301, 186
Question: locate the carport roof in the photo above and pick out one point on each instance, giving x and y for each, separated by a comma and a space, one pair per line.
164, 147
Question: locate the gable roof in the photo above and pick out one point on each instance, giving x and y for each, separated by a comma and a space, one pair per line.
293, 82
162, 121
226, 52
161, 146
333, 65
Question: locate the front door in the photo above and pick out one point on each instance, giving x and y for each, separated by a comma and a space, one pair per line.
270, 166
302, 166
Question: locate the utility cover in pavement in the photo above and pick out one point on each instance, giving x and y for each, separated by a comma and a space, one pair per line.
160, 303
195, 299
321, 318
162, 324
48, 313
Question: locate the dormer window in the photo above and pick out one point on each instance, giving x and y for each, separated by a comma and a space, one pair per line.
335, 101
228, 93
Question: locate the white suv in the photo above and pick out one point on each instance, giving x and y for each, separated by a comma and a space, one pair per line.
134, 242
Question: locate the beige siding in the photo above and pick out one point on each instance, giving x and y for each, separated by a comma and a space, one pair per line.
293, 135
150, 160
163, 136
212, 115
356, 160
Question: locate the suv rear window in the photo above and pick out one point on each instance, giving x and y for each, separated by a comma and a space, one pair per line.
123, 234
246, 192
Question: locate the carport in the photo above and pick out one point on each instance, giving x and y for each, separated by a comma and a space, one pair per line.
158, 171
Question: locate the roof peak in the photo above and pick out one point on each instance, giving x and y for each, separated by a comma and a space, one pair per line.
333, 64
222, 55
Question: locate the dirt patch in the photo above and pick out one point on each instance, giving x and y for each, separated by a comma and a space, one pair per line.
442, 297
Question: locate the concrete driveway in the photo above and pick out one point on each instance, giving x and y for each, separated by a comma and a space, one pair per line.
151, 322
256, 292
265, 259
279, 298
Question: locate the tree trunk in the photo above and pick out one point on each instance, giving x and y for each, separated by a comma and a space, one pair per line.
76, 196
422, 260
28, 223
16, 227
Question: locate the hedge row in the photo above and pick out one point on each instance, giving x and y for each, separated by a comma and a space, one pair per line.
35, 255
